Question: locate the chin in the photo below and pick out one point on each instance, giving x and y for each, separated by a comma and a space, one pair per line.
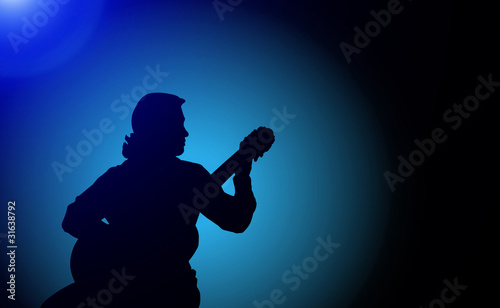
179, 152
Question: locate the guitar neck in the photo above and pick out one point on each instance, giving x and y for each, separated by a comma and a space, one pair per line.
250, 149
228, 168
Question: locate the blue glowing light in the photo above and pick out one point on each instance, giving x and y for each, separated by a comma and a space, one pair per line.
10, 10
14, 2
41, 35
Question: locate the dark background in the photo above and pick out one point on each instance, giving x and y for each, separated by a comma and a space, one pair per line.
442, 222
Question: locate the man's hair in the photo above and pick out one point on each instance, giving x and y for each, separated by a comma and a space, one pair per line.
153, 111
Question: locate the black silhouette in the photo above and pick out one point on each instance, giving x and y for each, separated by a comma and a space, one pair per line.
152, 201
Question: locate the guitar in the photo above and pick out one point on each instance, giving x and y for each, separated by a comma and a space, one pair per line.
257, 143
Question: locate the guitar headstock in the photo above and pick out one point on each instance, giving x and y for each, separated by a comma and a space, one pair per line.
260, 139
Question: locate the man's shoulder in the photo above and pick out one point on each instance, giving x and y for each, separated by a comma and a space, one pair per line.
193, 167
116, 170
112, 174
125, 170
116, 173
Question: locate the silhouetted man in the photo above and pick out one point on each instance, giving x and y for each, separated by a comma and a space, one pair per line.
141, 258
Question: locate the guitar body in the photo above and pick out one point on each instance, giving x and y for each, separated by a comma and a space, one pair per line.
91, 259
94, 258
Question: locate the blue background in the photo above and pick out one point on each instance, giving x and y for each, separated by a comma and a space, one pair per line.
322, 177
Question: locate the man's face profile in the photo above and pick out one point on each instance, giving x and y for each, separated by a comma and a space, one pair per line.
159, 121
170, 134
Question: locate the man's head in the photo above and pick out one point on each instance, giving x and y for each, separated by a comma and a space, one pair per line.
158, 122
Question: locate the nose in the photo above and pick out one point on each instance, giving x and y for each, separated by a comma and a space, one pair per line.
185, 132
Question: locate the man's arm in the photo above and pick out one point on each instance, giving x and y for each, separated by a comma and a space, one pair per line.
84, 216
233, 213
81, 223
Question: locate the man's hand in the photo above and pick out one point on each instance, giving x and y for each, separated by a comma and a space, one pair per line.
245, 168
246, 164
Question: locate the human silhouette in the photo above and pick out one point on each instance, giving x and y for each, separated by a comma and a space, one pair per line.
151, 202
